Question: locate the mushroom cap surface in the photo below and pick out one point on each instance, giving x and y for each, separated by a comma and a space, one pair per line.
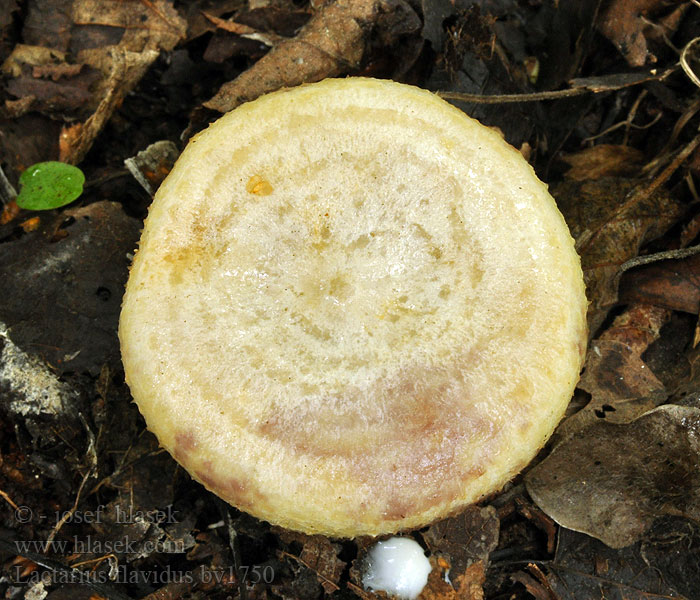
354, 310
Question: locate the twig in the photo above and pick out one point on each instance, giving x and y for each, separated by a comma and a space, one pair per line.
7, 192
69, 513
686, 65
691, 187
8, 500
625, 123
638, 261
308, 566
592, 85
632, 114
508, 98
233, 544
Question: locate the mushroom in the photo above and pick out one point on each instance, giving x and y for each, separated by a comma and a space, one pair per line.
354, 310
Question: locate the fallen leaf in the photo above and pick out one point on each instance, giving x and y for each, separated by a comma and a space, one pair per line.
224, 45
126, 70
583, 567
111, 45
611, 219
151, 166
9, 212
671, 284
32, 56
623, 23
333, 42
466, 584
197, 23
612, 480
320, 555
621, 385
147, 25
62, 298
467, 538
48, 24
604, 160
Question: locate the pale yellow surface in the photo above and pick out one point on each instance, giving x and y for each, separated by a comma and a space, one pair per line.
353, 310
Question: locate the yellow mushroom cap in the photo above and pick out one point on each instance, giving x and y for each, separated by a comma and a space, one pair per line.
354, 310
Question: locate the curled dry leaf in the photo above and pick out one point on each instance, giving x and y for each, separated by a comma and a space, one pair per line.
150, 166
331, 43
127, 69
111, 46
148, 27
41, 80
611, 481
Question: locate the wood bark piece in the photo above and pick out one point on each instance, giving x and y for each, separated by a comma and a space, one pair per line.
333, 42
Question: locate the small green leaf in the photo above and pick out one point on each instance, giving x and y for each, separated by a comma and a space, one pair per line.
48, 185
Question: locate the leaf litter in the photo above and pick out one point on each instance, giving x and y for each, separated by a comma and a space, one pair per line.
603, 98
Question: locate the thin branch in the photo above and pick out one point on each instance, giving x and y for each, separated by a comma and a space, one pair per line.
7, 192
686, 65
8, 500
509, 98
69, 513
638, 261
582, 86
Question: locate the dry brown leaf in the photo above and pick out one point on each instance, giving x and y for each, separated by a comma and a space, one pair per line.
672, 284
148, 25
466, 585
62, 301
610, 220
127, 70
623, 23
320, 555
604, 160
42, 81
9, 212
621, 385
34, 56
331, 43
469, 537
665, 565
611, 481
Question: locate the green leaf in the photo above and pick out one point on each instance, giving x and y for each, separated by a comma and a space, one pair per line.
48, 185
